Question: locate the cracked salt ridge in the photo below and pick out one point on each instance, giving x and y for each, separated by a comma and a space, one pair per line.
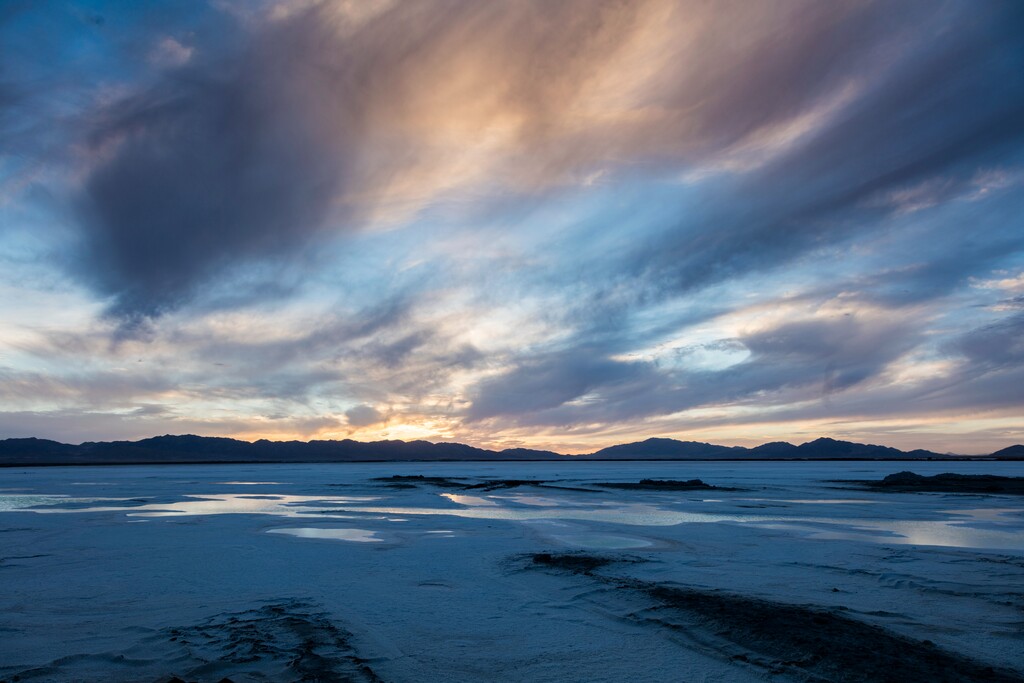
286, 640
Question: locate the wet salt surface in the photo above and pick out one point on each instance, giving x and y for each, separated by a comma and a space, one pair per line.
356, 535
75, 568
888, 518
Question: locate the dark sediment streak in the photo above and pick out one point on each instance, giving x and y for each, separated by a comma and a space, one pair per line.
663, 485
287, 640
806, 642
578, 563
404, 481
903, 482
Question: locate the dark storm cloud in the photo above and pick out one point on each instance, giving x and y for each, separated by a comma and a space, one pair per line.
945, 108
215, 165
241, 158
995, 346
230, 160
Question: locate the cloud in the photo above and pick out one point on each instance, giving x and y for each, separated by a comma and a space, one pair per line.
999, 345
80, 425
169, 52
512, 216
363, 416
791, 362
324, 118
551, 381
931, 114
213, 166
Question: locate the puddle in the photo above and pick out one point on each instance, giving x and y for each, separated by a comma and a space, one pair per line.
535, 501
604, 541
992, 528
356, 535
1003, 515
28, 502
218, 504
468, 500
630, 514
949, 534
825, 501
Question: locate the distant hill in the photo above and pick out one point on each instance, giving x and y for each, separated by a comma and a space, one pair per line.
208, 449
819, 449
198, 449
666, 449
1015, 452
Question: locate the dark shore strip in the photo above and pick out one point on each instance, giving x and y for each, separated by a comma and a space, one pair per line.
401, 481
664, 485
411, 481
806, 642
909, 482
407, 480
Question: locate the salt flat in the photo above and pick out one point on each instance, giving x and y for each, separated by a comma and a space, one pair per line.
341, 572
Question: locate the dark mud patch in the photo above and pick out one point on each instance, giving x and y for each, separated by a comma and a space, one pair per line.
664, 485
288, 640
577, 563
908, 482
562, 487
496, 484
413, 480
801, 642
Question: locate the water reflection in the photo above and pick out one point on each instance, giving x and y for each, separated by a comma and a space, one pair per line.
357, 535
24, 501
219, 504
467, 500
995, 528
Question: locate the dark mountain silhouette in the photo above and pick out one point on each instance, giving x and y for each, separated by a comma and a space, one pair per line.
819, 449
1015, 452
666, 449
207, 449
198, 449
775, 449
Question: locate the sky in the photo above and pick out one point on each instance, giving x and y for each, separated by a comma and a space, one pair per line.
527, 223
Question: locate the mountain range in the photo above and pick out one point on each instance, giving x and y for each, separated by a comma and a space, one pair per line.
205, 449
